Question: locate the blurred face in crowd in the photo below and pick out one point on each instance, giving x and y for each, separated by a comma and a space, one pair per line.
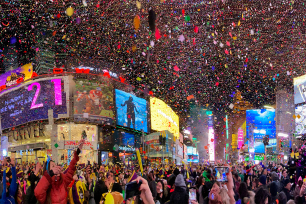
215, 189
159, 187
285, 173
265, 172
288, 186
110, 177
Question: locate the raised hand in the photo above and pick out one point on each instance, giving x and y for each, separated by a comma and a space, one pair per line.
12, 162
81, 144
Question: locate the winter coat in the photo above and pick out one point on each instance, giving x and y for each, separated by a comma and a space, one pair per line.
57, 188
9, 198
179, 196
30, 197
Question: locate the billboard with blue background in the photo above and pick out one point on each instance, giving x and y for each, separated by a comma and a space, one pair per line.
260, 122
131, 111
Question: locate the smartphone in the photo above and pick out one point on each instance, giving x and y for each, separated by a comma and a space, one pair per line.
88, 163
192, 194
221, 172
132, 189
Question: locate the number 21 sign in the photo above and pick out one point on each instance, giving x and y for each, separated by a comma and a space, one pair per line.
32, 100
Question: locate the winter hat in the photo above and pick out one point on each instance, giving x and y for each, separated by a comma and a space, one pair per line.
273, 189
176, 171
274, 176
179, 181
285, 182
262, 179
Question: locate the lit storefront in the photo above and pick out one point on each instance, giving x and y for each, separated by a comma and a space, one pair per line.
28, 143
69, 135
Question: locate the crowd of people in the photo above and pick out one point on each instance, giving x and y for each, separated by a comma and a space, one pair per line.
161, 184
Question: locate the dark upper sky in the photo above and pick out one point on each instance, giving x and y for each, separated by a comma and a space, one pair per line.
205, 50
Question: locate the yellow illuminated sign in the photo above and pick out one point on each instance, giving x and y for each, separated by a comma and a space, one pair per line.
163, 117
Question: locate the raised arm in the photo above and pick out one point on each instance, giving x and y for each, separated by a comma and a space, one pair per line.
42, 187
4, 184
71, 169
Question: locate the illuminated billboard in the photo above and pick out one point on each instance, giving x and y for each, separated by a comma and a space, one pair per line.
131, 111
211, 143
299, 89
300, 120
260, 122
163, 117
13, 77
31, 101
93, 101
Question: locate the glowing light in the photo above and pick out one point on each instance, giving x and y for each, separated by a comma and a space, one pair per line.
285, 157
211, 142
251, 150
30, 88
57, 91
282, 134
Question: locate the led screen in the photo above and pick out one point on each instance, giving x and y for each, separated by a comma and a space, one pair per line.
300, 120
127, 139
31, 102
93, 101
10, 77
299, 89
131, 111
260, 122
163, 117
189, 150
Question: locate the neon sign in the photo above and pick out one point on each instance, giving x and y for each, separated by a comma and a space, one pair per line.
240, 138
30, 102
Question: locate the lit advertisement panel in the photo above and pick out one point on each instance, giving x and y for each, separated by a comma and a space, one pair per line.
163, 117
211, 142
189, 150
127, 139
31, 101
300, 120
260, 122
299, 89
10, 78
240, 138
131, 111
93, 101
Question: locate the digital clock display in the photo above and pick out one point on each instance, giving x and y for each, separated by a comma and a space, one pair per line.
32, 101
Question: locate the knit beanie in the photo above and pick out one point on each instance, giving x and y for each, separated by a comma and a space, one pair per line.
179, 181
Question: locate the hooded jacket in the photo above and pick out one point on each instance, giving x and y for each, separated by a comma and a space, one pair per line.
57, 188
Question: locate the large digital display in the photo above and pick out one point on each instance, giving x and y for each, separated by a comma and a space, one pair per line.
300, 120
189, 150
260, 122
127, 139
93, 102
299, 89
31, 102
10, 78
131, 111
163, 117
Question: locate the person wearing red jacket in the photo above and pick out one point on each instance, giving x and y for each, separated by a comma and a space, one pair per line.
52, 187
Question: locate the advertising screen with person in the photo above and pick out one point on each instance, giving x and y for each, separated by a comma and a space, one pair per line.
131, 111
260, 122
93, 101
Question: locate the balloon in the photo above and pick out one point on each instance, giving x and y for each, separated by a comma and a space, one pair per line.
13, 40
78, 20
109, 199
138, 4
69, 11
152, 18
136, 22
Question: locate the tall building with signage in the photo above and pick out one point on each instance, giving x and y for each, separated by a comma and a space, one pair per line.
286, 117
201, 123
